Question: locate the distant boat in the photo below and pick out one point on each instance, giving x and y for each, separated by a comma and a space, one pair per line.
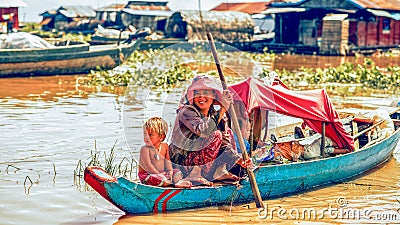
112, 36
69, 58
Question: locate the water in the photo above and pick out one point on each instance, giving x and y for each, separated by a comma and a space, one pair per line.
48, 124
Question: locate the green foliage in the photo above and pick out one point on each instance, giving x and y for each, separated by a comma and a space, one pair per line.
167, 67
264, 57
367, 74
111, 164
30, 27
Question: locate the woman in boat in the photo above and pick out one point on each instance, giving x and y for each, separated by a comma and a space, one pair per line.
200, 143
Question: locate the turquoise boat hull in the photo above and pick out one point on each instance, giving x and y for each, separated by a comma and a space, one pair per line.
273, 181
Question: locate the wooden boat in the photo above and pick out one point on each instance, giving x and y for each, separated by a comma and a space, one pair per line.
145, 45
273, 180
68, 59
104, 36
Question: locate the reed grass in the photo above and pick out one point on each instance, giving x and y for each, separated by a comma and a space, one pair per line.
12, 166
27, 178
109, 161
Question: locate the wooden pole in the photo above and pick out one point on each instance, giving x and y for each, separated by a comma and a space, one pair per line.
266, 126
119, 37
236, 127
323, 140
251, 133
355, 132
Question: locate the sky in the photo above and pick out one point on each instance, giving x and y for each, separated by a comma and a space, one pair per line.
36, 7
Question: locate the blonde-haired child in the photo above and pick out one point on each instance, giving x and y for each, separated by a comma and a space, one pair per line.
155, 167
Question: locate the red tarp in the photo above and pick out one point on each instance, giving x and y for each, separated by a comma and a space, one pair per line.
313, 106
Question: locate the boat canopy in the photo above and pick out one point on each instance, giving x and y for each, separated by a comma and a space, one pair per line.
313, 106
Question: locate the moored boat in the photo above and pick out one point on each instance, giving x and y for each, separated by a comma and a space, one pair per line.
274, 180
68, 59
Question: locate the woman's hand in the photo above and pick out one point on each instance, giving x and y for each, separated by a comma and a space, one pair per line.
245, 163
227, 99
226, 138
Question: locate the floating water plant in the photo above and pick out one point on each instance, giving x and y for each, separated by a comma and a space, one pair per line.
168, 67
367, 74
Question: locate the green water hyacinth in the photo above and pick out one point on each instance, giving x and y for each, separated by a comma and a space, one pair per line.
165, 68
367, 74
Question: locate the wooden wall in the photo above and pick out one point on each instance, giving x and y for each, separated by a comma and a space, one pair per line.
370, 33
335, 36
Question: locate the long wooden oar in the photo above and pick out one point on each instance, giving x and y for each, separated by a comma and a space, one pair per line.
232, 113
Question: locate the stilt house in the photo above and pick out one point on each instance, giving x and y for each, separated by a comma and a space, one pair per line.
336, 27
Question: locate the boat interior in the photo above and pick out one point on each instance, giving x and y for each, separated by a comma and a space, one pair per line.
365, 127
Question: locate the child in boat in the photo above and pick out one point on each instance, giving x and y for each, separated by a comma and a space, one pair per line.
155, 167
263, 151
245, 128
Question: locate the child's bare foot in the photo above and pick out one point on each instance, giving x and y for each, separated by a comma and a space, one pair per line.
200, 181
228, 176
221, 173
166, 183
183, 184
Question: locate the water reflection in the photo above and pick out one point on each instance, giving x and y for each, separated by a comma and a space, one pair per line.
48, 124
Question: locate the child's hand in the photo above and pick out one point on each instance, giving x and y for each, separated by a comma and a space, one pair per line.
167, 182
169, 174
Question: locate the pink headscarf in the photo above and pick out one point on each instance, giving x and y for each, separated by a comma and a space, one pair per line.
202, 82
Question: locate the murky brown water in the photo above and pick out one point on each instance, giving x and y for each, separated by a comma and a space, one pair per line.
48, 124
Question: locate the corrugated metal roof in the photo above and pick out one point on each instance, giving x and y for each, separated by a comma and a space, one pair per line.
12, 3
77, 11
229, 19
378, 4
396, 16
246, 7
148, 7
111, 8
45, 21
148, 1
362, 4
51, 12
380, 13
335, 17
283, 10
162, 13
